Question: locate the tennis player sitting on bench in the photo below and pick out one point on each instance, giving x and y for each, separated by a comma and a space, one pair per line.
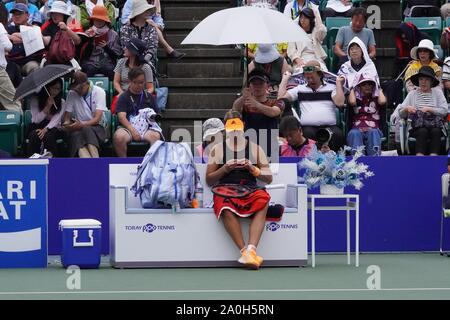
233, 168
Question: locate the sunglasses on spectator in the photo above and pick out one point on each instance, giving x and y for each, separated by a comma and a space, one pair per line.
310, 69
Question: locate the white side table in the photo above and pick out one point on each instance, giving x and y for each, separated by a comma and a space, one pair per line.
352, 204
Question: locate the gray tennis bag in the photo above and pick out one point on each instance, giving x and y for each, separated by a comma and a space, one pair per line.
167, 176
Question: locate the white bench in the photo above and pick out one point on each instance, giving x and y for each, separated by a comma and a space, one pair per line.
194, 237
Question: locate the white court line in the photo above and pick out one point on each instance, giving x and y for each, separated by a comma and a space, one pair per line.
222, 291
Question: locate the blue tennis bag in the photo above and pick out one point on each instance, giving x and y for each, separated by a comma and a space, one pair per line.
167, 176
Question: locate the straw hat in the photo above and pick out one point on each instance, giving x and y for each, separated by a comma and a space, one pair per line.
140, 6
100, 13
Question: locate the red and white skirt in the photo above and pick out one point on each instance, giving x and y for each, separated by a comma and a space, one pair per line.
243, 207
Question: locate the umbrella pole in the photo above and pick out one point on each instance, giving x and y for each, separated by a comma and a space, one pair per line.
54, 105
246, 65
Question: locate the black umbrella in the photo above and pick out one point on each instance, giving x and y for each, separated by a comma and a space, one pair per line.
37, 80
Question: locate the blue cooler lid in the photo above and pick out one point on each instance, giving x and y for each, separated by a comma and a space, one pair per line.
80, 224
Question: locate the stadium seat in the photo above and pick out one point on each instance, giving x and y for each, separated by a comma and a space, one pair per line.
440, 52
430, 25
104, 83
333, 25
10, 131
133, 144
108, 118
447, 22
327, 60
408, 143
445, 179
26, 123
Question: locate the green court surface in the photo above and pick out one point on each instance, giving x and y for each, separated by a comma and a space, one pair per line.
402, 276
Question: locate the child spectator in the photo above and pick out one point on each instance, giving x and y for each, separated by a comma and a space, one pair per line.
365, 102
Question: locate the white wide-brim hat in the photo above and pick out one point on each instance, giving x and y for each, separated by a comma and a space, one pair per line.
266, 53
60, 7
140, 6
211, 127
424, 44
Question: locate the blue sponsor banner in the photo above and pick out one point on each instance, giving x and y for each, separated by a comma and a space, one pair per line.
400, 207
23, 213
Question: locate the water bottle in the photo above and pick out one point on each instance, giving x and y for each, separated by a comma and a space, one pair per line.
175, 207
199, 196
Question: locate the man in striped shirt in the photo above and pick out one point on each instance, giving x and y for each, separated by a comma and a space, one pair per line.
318, 101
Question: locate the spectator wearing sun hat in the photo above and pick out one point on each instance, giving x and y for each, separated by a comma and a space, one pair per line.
59, 16
213, 129
424, 55
73, 9
133, 57
156, 20
87, 10
268, 59
106, 45
141, 29
426, 109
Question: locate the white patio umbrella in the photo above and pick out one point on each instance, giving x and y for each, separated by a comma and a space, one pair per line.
243, 25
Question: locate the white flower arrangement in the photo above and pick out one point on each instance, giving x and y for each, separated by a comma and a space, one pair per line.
332, 169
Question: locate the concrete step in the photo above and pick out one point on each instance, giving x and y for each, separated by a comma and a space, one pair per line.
385, 37
193, 114
179, 25
175, 39
201, 83
205, 53
199, 101
189, 13
201, 70
200, 3
205, 85
175, 130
